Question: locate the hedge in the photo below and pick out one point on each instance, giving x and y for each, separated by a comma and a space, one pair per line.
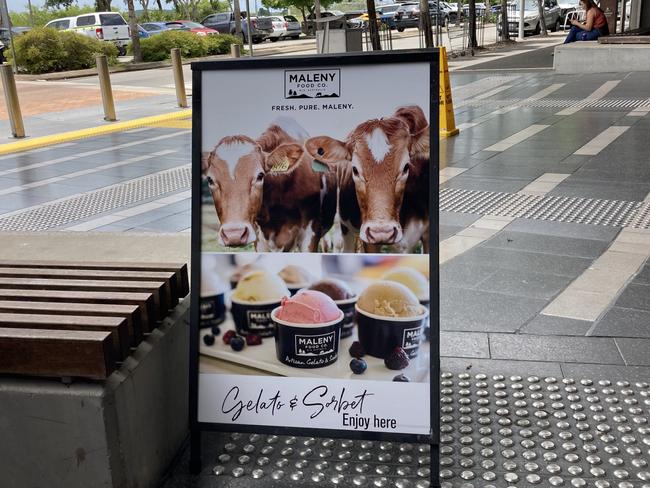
158, 46
43, 50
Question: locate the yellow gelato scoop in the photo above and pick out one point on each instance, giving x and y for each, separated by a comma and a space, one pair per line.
260, 286
412, 279
389, 299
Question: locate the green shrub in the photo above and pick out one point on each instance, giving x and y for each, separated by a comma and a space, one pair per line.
157, 48
43, 50
220, 44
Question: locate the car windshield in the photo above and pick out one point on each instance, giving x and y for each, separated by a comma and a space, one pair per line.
192, 25
290, 18
276, 19
530, 5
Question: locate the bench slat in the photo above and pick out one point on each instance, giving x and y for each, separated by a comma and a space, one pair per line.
161, 301
129, 312
143, 300
179, 269
115, 325
42, 352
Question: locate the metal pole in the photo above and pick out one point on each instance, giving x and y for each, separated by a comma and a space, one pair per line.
235, 50
11, 99
250, 31
623, 13
177, 68
6, 24
105, 88
31, 13
522, 7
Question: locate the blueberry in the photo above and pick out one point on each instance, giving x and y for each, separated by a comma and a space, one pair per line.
358, 366
216, 330
237, 343
208, 339
401, 378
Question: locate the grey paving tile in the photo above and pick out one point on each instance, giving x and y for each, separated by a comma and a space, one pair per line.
171, 223
623, 322
563, 246
459, 219
601, 189
486, 184
464, 345
644, 276
635, 296
462, 276
635, 352
557, 326
550, 348
486, 170
445, 231
524, 260
564, 229
91, 182
478, 311
524, 283
602, 372
508, 368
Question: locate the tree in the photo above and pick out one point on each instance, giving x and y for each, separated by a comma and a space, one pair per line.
505, 32
102, 5
135, 35
306, 7
237, 15
542, 20
472, 26
58, 3
145, 8
372, 25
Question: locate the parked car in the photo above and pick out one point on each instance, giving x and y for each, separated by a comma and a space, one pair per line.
386, 14
408, 15
284, 26
154, 28
480, 9
224, 22
142, 33
310, 26
455, 14
532, 24
5, 39
193, 27
105, 26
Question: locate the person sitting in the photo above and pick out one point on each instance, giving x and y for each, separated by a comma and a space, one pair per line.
594, 26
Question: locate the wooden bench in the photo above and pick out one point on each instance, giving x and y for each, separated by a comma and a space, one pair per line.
81, 319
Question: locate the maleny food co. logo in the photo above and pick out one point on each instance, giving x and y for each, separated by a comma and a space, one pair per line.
411, 338
313, 83
315, 345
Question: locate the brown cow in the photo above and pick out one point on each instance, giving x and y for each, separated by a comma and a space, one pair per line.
266, 192
383, 178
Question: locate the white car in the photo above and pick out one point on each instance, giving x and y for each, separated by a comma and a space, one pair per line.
284, 26
105, 26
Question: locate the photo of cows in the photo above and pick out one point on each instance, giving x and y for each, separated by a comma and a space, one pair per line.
292, 188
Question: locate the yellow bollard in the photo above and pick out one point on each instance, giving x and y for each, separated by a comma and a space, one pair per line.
446, 108
105, 88
179, 81
11, 99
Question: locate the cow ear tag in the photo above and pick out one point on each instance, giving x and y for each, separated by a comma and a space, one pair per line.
281, 166
318, 166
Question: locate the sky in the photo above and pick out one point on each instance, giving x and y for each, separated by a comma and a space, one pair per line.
21, 5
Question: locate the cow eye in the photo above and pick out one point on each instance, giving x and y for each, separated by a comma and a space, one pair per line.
355, 171
405, 171
260, 176
210, 181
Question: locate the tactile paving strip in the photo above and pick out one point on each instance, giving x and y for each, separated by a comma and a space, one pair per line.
604, 103
496, 432
594, 211
66, 210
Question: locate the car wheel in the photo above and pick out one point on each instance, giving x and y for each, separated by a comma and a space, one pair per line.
295, 37
256, 41
274, 39
400, 29
538, 28
558, 26
121, 51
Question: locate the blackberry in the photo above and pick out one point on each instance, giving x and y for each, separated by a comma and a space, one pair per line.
397, 359
208, 339
356, 350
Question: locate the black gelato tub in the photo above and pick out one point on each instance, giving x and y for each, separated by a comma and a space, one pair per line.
253, 317
307, 346
379, 335
349, 315
213, 310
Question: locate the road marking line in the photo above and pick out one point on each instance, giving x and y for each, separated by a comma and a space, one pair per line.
477, 233
544, 184
591, 294
83, 172
129, 212
641, 110
517, 137
448, 173
494, 91
596, 95
602, 140
37, 142
89, 153
536, 96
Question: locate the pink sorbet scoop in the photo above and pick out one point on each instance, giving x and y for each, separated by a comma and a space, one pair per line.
308, 307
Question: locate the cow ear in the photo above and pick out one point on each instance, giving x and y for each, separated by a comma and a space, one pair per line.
205, 161
414, 118
283, 159
327, 150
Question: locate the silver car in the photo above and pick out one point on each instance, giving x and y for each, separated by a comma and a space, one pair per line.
532, 24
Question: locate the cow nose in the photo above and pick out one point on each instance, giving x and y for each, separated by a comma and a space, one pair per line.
234, 235
382, 232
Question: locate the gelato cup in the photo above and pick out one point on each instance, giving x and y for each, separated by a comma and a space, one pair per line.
241, 271
213, 303
389, 315
307, 330
413, 280
296, 277
343, 297
256, 295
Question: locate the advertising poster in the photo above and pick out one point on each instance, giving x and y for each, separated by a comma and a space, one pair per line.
316, 254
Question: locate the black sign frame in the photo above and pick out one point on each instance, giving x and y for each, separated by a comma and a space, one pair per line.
430, 56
